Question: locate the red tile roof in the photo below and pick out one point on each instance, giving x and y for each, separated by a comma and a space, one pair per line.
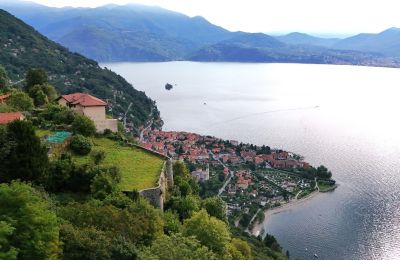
4, 97
6, 118
83, 99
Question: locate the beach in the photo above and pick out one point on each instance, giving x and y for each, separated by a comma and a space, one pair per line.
258, 227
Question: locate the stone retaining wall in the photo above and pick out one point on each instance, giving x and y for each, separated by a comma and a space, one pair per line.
157, 195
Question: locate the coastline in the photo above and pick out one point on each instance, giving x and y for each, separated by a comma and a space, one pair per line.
259, 227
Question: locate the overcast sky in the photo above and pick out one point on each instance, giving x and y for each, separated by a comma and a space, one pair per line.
316, 16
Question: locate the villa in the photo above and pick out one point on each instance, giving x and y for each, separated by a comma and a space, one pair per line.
92, 107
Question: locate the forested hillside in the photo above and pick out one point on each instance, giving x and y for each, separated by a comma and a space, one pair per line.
24, 48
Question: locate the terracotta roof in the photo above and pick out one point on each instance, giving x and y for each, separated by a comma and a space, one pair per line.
83, 99
4, 97
6, 118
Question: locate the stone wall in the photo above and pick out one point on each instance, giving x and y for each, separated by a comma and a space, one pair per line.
157, 195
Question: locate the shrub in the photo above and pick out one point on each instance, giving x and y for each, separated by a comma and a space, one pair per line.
98, 156
83, 125
80, 145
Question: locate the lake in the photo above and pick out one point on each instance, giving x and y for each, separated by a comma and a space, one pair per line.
344, 117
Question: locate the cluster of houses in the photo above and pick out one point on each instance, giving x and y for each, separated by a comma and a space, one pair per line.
82, 103
205, 149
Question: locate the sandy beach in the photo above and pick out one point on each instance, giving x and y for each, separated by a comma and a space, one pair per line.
287, 206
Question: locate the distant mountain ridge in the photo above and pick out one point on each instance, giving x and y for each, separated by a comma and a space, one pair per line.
386, 42
297, 38
146, 33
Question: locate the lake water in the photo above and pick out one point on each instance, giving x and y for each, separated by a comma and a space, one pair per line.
344, 117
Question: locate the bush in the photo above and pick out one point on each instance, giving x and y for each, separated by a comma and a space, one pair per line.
80, 145
103, 185
83, 125
98, 156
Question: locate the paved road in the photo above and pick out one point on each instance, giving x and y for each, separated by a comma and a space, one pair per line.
230, 174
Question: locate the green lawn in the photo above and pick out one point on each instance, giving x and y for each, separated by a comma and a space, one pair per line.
42, 132
139, 169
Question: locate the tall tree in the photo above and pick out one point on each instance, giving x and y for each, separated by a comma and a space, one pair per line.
215, 206
27, 157
177, 246
211, 232
27, 225
35, 77
3, 79
20, 101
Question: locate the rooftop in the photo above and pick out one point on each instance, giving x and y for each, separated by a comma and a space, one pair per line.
83, 99
6, 118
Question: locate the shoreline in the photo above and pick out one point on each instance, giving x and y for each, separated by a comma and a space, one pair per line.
259, 227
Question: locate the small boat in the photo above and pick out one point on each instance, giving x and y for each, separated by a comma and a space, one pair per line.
306, 249
315, 255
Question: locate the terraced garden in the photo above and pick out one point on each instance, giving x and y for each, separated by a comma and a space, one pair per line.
139, 169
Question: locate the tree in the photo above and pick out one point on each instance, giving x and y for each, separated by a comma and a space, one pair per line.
98, 156
20, 101
42, 94
215, 207
28, 224
83, 125
270, 241
243, 247
25, 158
180, 169
3, 79
102, 185
138, 223
177, 246
84, 243
171, 222
38, 96
211, 232
35, 77
6, 250
80, 145
185, 206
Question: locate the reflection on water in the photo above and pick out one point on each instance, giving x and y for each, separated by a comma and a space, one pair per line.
344, 117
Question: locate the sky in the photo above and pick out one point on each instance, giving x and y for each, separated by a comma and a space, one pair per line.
336, 17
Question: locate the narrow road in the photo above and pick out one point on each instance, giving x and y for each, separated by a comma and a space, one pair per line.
298, 193
251, 221
316, 184
230, 174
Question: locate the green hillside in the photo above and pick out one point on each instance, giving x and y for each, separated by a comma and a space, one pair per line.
22, 48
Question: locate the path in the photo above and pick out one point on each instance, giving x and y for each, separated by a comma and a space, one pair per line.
230, 174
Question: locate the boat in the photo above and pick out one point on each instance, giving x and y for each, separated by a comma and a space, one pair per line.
315, 255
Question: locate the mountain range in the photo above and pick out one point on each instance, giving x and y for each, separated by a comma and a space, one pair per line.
146, 33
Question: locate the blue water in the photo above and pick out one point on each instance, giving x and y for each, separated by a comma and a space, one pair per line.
344, 117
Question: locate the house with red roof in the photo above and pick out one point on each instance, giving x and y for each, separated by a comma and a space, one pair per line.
92, 107
6, 118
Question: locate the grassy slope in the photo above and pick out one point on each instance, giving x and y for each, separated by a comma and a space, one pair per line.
139, 169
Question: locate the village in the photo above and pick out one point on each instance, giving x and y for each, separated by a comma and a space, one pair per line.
245, 176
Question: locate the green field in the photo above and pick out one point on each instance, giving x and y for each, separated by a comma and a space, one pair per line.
139, 169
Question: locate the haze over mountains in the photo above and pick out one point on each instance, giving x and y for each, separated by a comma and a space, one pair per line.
144, 33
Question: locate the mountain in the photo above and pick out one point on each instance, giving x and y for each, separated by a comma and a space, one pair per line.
386, 42
258, 47
297, 38
121, 33
24, 48
147, 33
